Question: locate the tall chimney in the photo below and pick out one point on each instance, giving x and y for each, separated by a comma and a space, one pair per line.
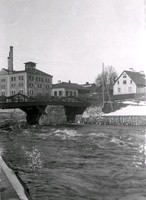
8, 62
10, 59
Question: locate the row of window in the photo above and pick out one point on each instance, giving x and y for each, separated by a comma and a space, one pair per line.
125, 82
39, 85
3, 86
20, 78
129, 90
40, 79
14, 92
68, 93
13, 85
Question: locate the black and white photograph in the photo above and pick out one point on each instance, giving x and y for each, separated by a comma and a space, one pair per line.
72, 99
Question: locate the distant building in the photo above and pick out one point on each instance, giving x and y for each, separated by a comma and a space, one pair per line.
30, 81
130, 82
64, 89
73, 89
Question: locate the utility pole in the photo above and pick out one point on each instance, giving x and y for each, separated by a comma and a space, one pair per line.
103, 81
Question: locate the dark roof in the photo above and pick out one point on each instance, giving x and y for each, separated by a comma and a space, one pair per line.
41, 72
34, 71
137, 77
68, 85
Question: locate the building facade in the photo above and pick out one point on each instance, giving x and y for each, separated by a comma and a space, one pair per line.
65, 89
130, 82
30, 81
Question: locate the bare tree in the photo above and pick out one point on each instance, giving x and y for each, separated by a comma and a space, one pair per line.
109, 76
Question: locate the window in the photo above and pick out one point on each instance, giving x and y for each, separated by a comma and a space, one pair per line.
3, 80
42, 79
39, 85
13, 92
60, 93
124, 76
129, 89
21, 91
119, 90
124, 82
21, 78
66, 93
13, 85
2, 86
55, 93
47, 80
118, 82
36, 78
74, 93
70, 93
30, 92
13, 78
3, 93
20, 84
130, 81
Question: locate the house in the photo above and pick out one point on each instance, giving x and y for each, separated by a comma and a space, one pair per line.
29, 81
64, 89
130, 82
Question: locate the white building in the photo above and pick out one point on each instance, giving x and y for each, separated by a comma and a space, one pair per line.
130, 82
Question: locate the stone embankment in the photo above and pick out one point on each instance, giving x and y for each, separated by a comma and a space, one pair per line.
129, 115
11, 117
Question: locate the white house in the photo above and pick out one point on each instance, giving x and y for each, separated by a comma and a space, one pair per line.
130, 82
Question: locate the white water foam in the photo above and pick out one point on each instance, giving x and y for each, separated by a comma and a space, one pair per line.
100, 135
65, 134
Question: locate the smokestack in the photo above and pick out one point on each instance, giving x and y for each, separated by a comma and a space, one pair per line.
10, 60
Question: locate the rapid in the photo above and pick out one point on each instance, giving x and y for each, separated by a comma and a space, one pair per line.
85, 162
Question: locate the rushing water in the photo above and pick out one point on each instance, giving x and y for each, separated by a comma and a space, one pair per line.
87, 162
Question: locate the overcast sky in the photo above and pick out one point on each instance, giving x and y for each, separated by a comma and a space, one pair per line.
70, 39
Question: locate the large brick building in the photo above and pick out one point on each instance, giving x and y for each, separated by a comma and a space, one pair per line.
29, 81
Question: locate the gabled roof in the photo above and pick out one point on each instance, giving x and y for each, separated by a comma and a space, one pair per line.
68, 85
136, 77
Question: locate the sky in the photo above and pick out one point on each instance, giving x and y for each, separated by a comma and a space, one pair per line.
70, 39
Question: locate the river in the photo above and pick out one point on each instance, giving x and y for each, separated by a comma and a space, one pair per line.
88, 162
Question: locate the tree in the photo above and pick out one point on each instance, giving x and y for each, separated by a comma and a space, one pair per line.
109, 76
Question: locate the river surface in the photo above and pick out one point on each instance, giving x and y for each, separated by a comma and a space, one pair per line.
88, 162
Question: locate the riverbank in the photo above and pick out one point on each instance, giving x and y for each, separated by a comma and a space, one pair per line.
132, 114
11, 187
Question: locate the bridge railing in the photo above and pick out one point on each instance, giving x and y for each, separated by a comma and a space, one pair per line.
16, 98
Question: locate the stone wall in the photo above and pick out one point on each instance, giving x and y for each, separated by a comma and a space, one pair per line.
55, 115
12, 114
